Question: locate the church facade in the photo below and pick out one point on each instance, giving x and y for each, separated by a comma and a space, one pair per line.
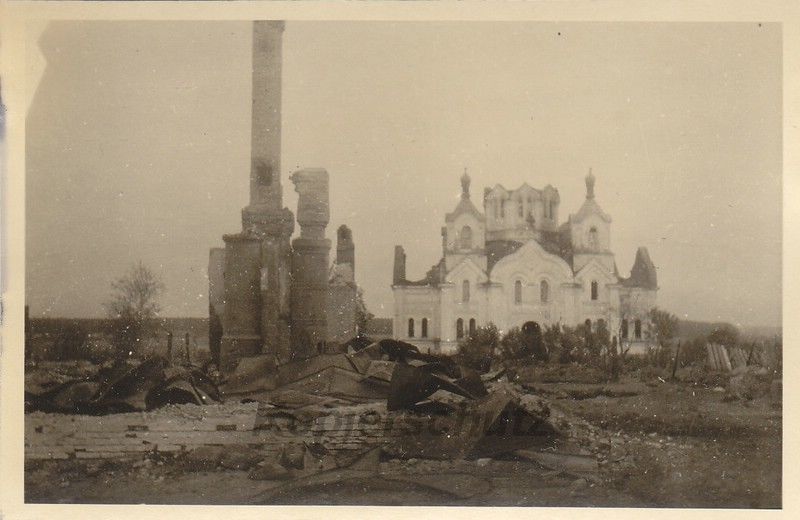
513, 263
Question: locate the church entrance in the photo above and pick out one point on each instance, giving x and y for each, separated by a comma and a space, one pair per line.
532, 336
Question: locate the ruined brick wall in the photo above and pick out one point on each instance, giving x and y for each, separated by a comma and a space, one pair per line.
241, 319
341, 312
180, 428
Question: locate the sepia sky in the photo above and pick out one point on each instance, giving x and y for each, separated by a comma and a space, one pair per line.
138, 147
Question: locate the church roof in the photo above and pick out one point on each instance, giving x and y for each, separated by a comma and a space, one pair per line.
643, 272
590, 207
498, 249
554, 242
465, 205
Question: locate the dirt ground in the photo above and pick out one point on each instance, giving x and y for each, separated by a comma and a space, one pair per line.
669, 445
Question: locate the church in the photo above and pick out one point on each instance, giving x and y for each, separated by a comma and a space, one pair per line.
513, 263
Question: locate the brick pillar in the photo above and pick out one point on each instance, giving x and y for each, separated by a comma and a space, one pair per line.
241, 319
345, 248
310, 261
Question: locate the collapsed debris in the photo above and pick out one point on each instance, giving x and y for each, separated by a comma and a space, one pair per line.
124, 388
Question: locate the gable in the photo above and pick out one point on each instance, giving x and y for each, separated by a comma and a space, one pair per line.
466, 269
594, 270
533, 258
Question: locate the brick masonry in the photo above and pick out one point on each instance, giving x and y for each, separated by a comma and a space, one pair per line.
175, 429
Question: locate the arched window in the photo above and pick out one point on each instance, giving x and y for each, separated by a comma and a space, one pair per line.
637, 329
465, 291
472, 325
594, 242
517, 292
552, 209
594, 290
544, 291
459, 328
625, 329
466, 237
424, 331
411, 327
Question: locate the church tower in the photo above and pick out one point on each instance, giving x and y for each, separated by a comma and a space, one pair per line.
590, 231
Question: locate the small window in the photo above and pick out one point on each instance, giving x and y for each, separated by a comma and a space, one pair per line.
459, 328
472, 325
466, 237
624, 329
637, 329
594, 290
517, 292
544, 291
546, 209
502, 209
520, 209
465, 291
552, 209
424, 331
411, 327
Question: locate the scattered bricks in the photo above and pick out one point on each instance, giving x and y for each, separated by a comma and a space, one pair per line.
138, 428
204, 458
226, 427
111, 448
130, 435
269, 470
167, 448
46, 453
240, 458
293, 456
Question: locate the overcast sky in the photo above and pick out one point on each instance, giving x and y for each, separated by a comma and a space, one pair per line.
138, 147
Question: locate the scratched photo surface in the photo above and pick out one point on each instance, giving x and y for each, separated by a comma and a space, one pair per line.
404, 263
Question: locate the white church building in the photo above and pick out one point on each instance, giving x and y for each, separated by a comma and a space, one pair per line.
514, 263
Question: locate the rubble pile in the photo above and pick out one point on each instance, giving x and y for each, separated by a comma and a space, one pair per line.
121, 388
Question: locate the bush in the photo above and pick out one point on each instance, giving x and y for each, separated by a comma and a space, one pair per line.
553, 342
660, 357
512, 346
477, 349
70, 343
725, 334
693, 352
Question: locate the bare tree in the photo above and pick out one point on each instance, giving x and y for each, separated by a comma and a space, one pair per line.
134, 306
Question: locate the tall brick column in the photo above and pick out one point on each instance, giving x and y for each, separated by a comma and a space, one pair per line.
310, 263
257, 261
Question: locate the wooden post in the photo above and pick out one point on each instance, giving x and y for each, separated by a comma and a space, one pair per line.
675, 363
750, 354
